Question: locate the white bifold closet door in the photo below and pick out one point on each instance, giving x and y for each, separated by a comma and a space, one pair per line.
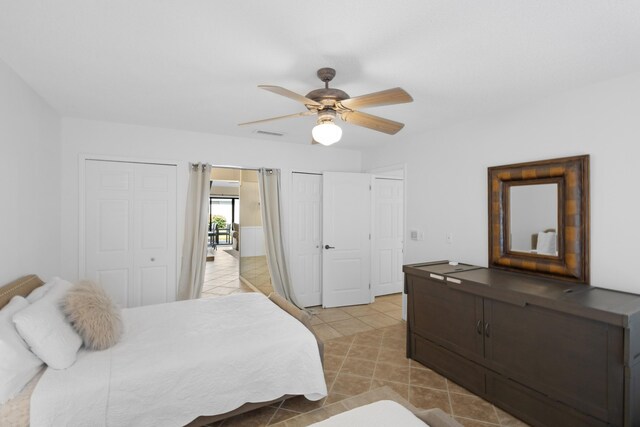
129, 231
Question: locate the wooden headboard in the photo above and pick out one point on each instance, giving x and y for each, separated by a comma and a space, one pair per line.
22, 286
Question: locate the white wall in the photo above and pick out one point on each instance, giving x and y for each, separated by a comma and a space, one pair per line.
29, 181
250, 214
447, 174
87, 137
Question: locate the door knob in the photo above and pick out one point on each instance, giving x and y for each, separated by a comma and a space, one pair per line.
329, 247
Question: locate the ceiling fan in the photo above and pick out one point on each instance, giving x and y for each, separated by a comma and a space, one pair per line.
329, 103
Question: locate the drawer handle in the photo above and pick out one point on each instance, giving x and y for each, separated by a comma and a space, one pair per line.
479, 327
436, 276
486, 330
452, 280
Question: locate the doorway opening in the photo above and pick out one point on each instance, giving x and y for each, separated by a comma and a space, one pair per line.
222, 273
236, 257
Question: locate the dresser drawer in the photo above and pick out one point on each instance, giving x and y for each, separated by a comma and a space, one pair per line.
454, 367
533, 407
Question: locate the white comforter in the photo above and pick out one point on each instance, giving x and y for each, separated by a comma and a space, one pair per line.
180, 360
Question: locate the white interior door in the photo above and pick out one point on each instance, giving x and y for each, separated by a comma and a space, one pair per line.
387, 235
306, 238
346, 224
130, 230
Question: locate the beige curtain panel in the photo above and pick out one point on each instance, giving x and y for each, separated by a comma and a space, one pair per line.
194, 249
270, 208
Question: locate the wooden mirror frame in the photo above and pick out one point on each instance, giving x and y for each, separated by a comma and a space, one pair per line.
572, 176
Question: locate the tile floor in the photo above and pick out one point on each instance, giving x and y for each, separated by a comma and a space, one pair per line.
221, 276
365, 361
329, 323
364, 351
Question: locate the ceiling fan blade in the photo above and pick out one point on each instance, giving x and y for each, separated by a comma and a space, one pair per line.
372, 122
386, 97
304, 113
289, 94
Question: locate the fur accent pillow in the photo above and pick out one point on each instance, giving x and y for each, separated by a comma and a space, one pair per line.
93, 315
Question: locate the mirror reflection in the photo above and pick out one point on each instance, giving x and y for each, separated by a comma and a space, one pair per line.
534, 218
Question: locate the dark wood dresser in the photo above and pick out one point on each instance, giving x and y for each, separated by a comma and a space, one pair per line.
552, 353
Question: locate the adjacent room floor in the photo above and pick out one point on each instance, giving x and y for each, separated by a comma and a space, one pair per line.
221, 276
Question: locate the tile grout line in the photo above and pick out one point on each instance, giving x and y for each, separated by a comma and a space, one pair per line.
478, 421
375, 366
449, 397
495, 411
274, 413
338, 371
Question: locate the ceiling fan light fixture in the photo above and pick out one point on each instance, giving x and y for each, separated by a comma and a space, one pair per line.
327, 132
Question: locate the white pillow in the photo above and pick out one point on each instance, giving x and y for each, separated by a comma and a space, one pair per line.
39, 292
17, 364
546, 243
45, 328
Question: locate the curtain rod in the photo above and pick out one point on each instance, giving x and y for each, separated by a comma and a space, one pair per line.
195, 165
270, 170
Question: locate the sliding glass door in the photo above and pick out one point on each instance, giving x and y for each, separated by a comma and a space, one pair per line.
223, 213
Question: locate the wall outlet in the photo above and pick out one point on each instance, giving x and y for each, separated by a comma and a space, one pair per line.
449, 238
417, 235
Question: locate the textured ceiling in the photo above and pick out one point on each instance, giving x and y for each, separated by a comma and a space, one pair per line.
195, 64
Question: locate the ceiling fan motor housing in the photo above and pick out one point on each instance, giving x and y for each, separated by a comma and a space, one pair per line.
328, 96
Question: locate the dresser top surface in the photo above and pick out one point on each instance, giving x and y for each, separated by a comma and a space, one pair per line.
602, 304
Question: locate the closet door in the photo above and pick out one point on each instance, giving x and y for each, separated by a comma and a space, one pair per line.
387, 234
129, 230
306, 238
346, 239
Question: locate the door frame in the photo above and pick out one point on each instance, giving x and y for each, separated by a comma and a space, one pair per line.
386, 172
373, 232
398, 170
82, 158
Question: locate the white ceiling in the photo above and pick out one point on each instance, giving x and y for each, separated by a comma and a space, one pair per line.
195, 64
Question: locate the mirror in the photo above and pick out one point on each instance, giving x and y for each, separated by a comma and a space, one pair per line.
533, 214
539, 218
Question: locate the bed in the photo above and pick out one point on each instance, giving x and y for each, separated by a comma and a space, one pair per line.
172, 368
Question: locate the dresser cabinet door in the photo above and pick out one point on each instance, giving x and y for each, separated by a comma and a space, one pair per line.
574, 360
447, 317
